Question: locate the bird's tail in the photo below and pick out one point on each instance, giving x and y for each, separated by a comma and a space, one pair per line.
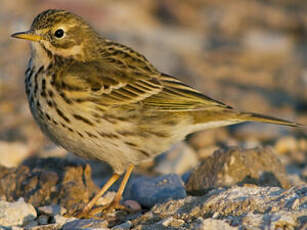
266, 119
228, 116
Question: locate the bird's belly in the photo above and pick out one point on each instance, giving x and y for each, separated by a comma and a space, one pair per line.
112, 138
91, 142
99, 142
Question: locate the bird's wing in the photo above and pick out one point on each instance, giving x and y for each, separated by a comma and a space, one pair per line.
124, 77
107, 85
177, 96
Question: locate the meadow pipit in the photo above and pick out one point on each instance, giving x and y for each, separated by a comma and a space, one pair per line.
102, 100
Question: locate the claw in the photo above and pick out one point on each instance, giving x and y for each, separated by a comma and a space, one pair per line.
89, 212
108, 208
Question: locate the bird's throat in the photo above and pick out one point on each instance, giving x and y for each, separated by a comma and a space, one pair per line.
41, 56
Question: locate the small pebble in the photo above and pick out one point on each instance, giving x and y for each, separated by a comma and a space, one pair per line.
166, 222
86, 224
106, 199
124, 226
213, 224
43, 219
61, 220
31, 224
215, 215
172, 222
295, 204
132, 204
13, 228
45, 227
52, 210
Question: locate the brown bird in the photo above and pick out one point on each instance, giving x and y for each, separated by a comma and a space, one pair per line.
102, 100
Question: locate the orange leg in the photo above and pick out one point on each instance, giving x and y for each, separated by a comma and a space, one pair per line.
90, 205
122, 186
115, 204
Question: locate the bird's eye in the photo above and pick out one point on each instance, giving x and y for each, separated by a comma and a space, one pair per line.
59, 33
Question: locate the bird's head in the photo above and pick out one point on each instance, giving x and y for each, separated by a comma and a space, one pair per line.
60, 33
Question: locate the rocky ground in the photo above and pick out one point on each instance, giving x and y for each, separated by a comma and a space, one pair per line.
227, 191
249, 54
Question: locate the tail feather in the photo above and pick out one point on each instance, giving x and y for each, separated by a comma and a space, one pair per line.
266, 119
225, 116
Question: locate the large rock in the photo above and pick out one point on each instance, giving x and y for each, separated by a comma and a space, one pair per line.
49, 181
234, 208
237, 166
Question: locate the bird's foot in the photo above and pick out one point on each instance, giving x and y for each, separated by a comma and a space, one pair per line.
93, 213
81, 214
114, 205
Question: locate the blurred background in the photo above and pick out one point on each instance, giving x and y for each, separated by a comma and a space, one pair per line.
250, 54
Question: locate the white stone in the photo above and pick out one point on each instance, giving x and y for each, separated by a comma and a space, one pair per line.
16, 213
214, 224
61, 220
106, 199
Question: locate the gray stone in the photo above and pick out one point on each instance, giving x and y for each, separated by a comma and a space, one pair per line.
52, 210
11, 228
61, 220
243, 207
86, 224
16, 213
150, 191
31, 224
179, 159
124, 226
43, 219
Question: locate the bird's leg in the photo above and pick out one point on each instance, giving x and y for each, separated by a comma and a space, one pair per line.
88, 207
115, 204
118, 196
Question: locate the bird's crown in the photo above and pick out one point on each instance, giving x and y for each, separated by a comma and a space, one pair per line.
62, 33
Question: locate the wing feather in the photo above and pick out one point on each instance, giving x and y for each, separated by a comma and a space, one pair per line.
135, 80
